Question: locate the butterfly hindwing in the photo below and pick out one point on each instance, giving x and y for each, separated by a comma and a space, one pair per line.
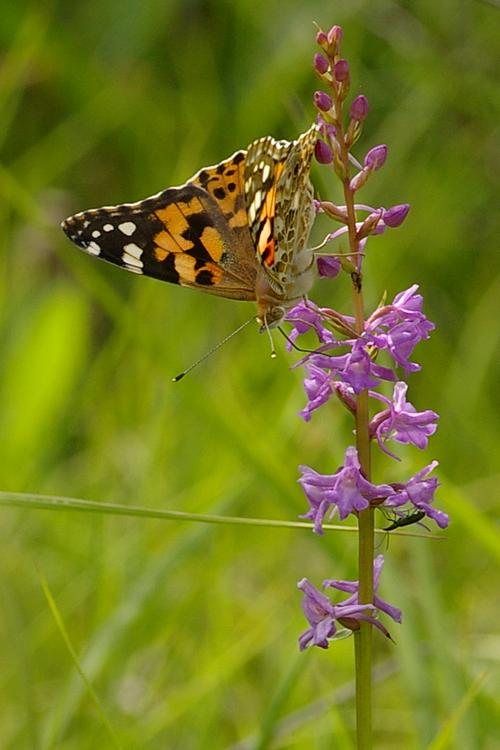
279, 198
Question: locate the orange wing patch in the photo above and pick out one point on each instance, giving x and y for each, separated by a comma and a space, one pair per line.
209, 274
224, 183
187, 229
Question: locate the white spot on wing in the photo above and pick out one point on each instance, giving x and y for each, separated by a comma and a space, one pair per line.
266, 172
93, 248
128, 228
132, 257
96, 233
108, 227
254, 206
133, 249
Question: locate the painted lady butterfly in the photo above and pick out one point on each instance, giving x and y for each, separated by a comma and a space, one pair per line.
238, 229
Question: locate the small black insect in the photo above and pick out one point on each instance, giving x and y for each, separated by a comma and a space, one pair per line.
407, 520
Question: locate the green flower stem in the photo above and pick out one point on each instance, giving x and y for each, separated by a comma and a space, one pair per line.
366, 536
363, 638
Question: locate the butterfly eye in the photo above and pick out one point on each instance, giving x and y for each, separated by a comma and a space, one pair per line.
271, 318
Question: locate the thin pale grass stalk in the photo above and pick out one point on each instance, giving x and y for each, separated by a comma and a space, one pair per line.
60, 503
74, 657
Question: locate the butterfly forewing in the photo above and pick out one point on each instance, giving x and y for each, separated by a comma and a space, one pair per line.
179, 235
237, 229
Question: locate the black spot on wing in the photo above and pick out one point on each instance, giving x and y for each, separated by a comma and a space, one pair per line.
198, 222
204, 177
266, 254
205, 278
161, 269
197, 225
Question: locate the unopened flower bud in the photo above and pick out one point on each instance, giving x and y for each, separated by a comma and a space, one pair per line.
375, 158
335, 35
341, 71
328, 266
323, 152
320, 63
395, 215
322, 39
359, 108
322, 101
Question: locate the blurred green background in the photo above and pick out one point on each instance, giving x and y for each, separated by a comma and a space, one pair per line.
188, 631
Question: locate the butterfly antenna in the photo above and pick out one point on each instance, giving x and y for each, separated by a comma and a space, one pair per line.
270, 336
212, 351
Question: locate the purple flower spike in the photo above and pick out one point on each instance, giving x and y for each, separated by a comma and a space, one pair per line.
347, 490
401, 421
322, 614
395, 215
322, 101
359, 108
328, 266
323, 152
320, 63
341, 70
375, 158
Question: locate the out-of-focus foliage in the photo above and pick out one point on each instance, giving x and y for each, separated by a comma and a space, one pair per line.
188, 632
